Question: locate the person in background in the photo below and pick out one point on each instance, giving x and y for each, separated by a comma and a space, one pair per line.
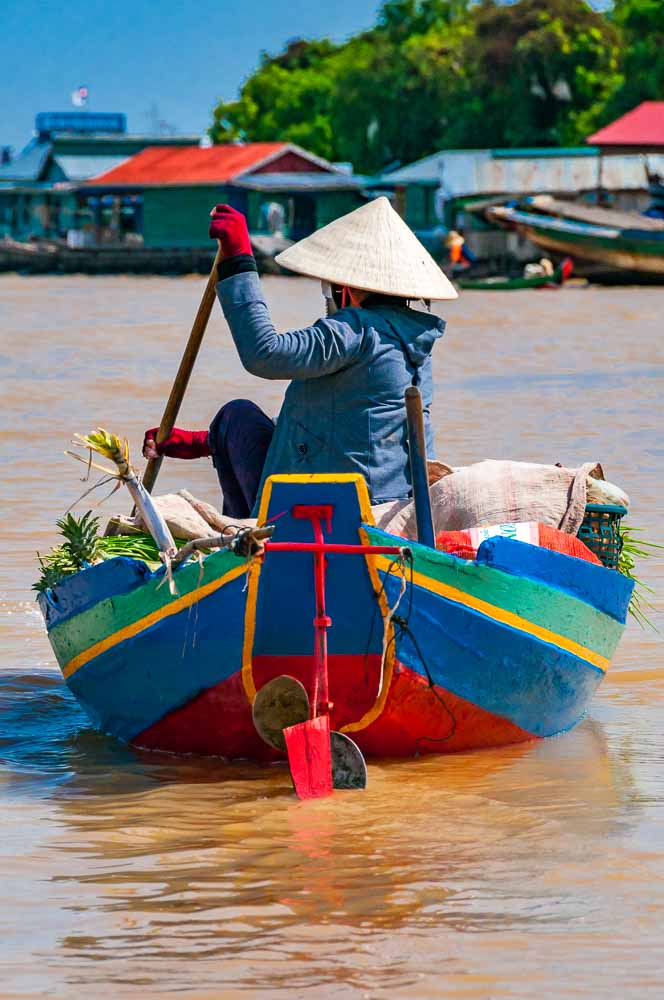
461, 256
344, 409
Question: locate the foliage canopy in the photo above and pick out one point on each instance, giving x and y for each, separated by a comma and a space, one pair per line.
435, 74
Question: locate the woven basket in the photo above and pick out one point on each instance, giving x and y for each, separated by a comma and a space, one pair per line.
600, 531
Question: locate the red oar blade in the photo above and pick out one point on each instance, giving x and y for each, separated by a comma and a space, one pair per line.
309, 757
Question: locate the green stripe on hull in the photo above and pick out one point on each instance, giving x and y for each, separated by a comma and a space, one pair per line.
76, 634
533, 600
530, 599
619, 253
630, 244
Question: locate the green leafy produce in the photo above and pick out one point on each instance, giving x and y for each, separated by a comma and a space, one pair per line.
635, 548
79, 549
83, 546
142, 547
54, 566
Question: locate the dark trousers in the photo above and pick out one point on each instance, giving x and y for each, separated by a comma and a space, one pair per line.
240, 436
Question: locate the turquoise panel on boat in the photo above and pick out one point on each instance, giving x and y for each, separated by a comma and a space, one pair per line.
135, 683
601, 588
82, 590
286, 606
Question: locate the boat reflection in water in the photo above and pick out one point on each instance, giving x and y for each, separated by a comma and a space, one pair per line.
180, 859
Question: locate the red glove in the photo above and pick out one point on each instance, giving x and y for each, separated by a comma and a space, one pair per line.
179, 443
230, 228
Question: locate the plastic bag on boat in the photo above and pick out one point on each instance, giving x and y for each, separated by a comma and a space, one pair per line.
497, 492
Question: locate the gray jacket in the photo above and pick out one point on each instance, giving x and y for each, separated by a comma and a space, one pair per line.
344, 409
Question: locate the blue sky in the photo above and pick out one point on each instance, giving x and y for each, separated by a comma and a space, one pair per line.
133, 54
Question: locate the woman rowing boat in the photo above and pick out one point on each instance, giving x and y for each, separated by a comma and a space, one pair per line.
344, 408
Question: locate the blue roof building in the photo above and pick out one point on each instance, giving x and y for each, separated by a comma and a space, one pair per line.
67, 148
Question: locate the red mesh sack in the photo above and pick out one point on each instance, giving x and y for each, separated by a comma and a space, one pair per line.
569, 545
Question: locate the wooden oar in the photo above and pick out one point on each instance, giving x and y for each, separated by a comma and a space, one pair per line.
419, 474
184, 372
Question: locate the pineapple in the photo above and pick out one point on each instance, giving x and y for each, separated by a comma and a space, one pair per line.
79, 549
80, 536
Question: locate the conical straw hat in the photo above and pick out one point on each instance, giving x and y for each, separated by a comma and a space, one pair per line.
373, 249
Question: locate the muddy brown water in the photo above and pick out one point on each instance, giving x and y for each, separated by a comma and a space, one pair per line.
531, 871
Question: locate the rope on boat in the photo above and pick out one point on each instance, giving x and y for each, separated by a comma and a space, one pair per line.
402, 623
241, 541
391, 611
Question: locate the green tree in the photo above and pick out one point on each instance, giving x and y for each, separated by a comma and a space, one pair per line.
393, 99
641, 25
440, 73
540, 73
288, 98
381, 97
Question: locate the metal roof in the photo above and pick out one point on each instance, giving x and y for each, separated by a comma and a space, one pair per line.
642, 127
81, 168
29, 164
211, 165
541, 152
63, 139
467, 172
425, 171
305, 181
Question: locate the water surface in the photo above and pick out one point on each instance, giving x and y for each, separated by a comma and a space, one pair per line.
529, 871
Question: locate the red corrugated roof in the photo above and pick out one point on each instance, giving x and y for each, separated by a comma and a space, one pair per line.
642, 126
189, 164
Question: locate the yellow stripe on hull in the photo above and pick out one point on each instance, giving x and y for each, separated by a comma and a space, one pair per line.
129, 631
500, 615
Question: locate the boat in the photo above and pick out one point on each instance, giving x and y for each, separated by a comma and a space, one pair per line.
503, 283
619, 241
427, 652
47, 256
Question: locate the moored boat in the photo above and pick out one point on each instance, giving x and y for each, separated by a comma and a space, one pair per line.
427, 652
622, 241
504, 283
56, 257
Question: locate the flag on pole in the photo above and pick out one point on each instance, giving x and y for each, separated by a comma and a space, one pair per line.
79, 97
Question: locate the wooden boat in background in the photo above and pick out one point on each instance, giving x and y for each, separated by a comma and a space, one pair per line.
427, 652
503, 283
44, 256
622, 241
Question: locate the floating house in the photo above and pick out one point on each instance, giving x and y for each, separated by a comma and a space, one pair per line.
438, 192
639, 132
36, 186
285, 191
86, 195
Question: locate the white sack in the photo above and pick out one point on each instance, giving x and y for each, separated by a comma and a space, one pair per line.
493, 492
